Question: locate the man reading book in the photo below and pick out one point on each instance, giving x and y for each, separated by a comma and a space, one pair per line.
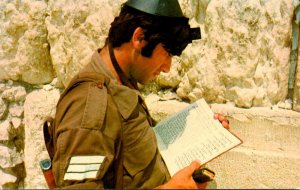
102, 134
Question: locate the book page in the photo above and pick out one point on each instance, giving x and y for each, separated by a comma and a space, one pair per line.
192, 134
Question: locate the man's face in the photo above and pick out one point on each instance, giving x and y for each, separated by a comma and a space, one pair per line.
146, 69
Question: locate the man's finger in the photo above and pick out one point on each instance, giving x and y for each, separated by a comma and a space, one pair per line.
221, 118
225, 124
192, 167
202, 185
216, 116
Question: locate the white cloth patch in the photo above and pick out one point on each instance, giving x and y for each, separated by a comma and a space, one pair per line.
80, 176
83, 167
86, 159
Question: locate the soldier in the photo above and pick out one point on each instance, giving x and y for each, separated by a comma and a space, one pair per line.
102, 134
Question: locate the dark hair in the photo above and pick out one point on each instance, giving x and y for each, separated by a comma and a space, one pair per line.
172, 32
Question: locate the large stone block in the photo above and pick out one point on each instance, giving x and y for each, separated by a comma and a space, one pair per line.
253, 169
244, 57
24, 53
273, 129
75, 31
38, 106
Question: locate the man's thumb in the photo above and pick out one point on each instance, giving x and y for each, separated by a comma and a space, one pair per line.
193, 166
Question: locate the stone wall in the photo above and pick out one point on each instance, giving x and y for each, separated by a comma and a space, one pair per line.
244, 57
296, 93
243, 60
12, 134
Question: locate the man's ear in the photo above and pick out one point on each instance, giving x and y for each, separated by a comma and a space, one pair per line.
138, 38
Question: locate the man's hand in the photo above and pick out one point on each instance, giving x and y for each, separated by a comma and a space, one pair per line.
222, 120
183, 179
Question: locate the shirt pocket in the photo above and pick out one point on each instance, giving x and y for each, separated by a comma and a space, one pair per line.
139, 157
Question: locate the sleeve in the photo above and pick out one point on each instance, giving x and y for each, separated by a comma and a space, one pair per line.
83, 152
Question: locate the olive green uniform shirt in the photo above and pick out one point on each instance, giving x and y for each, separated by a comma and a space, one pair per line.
92, 117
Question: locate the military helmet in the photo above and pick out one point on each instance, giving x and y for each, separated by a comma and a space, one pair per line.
168, 8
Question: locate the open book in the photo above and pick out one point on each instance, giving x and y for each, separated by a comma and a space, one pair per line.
192, 134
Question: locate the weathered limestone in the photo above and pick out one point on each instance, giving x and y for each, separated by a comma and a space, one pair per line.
6, 178
161, 109
11, 137
14, 94
5, 128
250, 169
24, 53
75, 31
3, 108
246, 54
9, 157
11, 161
38, 105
